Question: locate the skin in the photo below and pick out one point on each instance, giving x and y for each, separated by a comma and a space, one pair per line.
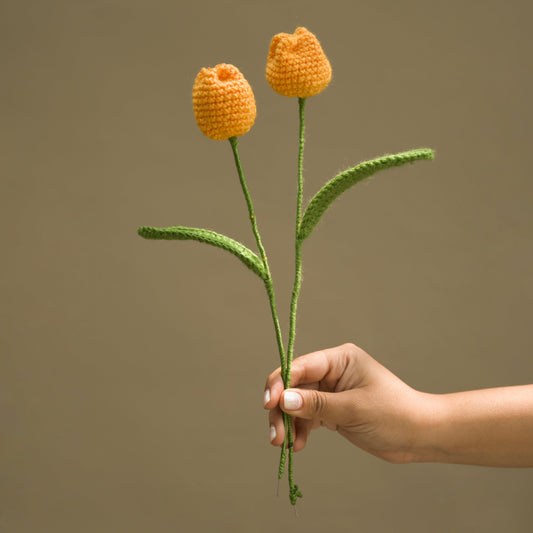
346, 390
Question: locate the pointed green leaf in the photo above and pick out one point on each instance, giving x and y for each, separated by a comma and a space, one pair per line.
335, 187
210, 237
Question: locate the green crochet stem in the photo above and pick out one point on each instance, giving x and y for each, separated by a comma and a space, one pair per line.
294, 493
259, 265
234, 145
271, 297
268, 278
298, 246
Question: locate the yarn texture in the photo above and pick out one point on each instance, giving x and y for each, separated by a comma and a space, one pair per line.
297, 65
184, 233
223, 102
224, 107
341, 183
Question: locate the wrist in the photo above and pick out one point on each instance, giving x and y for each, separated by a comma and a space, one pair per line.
429, 422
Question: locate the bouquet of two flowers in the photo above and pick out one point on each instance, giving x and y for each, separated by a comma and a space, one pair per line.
224, 107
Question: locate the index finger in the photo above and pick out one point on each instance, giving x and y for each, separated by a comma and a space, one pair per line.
325, 365
273, 389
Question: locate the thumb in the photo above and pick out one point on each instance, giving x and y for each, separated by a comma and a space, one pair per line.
331, 407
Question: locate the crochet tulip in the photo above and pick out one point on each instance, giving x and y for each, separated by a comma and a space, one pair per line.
224, 107
297, 65
223, 102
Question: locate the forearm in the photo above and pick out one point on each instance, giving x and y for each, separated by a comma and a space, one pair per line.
491, 427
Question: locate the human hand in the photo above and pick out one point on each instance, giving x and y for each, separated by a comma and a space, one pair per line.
346, 390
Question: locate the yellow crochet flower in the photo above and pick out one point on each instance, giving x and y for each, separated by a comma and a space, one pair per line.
297, 65
223, 102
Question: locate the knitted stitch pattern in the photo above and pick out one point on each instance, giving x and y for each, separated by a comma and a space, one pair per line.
223, 102
297, 65
184, 233
224, 108
341, 183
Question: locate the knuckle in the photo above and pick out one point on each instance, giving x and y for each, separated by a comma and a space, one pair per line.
276, 374
354, 353
351, 350
349, 347
319, 403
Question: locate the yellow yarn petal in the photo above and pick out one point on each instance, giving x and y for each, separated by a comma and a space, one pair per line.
297, 65
223, 102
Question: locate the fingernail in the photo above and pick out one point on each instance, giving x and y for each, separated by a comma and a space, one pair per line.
292, 401
272, 433
266, 397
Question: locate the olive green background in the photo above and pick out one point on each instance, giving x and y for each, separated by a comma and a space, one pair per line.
132, 371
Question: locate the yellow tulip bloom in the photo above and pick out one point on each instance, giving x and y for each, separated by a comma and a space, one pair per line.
297, 65
223, 102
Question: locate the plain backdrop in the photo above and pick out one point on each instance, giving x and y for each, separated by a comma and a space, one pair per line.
132, 371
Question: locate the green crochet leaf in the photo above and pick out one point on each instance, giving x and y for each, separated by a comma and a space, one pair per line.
184, 233
335, 187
